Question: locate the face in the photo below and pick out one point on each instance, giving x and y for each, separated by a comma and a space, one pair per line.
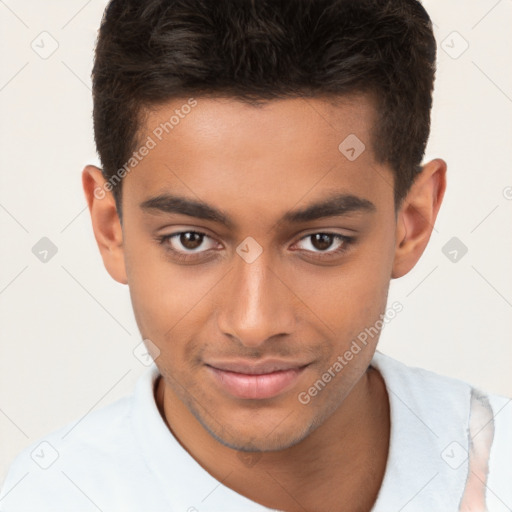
259, 271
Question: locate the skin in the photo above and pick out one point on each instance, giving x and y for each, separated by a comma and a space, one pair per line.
292, 302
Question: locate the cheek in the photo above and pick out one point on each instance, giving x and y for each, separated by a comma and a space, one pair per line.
349, 297
162, 294
165, 301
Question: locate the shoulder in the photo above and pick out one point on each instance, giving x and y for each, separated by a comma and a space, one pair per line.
429, 391
47, 465
94, 452
454, 430
426, 390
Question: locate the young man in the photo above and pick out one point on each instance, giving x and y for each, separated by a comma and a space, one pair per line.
261, 186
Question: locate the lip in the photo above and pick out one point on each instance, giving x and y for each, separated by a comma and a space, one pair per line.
258, 368
262, 380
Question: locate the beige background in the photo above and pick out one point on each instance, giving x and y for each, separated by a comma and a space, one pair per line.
67, 329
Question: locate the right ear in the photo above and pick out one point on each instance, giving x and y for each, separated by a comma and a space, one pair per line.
105, 222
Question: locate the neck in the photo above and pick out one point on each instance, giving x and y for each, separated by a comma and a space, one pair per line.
345, 455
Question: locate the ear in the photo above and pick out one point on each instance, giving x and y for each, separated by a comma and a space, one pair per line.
417, 215
105, 222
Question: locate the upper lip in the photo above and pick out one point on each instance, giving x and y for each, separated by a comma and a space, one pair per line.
256, 368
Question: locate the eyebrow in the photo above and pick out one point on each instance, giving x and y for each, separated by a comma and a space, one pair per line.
333, 206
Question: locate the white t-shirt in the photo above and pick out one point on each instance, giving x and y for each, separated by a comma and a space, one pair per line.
124, 458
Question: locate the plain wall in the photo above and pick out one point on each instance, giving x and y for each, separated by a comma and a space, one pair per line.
67, 329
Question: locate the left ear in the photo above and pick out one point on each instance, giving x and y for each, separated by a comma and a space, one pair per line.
417, 215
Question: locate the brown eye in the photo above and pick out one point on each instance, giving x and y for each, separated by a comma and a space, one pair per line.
191, 240
187, 245
325, 245
321, 241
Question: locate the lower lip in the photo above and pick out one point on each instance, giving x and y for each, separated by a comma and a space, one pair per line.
269, 385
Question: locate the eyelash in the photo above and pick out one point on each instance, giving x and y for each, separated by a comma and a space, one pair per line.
347, 241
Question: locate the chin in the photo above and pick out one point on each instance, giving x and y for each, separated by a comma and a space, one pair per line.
255, 439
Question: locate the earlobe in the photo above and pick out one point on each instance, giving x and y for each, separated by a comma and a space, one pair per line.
417, 215
105, 222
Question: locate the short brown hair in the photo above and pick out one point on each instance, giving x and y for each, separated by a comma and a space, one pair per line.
149, 52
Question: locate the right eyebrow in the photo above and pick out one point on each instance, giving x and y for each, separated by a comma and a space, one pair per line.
168, 203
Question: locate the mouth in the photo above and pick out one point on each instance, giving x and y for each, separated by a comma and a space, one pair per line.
257, 381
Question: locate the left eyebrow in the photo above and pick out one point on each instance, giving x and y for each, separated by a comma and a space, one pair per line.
337, 205
340, 204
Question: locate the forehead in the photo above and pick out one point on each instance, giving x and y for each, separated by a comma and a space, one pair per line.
318, 122
272, 154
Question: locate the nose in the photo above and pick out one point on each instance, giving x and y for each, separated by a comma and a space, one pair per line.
257, 303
